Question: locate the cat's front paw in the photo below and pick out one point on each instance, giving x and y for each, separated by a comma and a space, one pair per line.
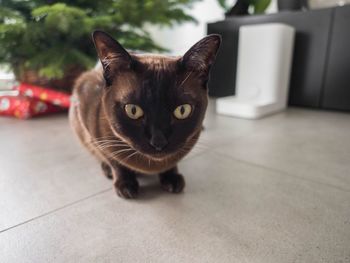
127, 189
107, 170
173, 183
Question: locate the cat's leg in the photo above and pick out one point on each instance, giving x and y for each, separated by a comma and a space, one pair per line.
125, 182
172, 181
107, 170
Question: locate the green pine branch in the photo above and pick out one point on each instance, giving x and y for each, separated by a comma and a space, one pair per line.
50, 36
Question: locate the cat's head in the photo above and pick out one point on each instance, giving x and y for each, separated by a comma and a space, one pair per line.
156, 103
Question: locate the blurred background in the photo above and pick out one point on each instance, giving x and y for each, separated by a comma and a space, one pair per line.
268, 181
47, 43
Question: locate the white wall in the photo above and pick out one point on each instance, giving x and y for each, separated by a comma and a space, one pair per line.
327, 3
181, 37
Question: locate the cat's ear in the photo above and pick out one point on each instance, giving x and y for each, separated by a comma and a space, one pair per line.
201, 55
112, 55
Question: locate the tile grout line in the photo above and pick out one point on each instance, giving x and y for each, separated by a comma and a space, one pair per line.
76, 202
200, 153
282, 172
246, 133
55, 210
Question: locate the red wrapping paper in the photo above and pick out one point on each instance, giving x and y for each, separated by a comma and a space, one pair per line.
26, 101
23, 107
44, 94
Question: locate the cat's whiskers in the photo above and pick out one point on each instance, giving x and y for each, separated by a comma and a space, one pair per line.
130, 155
199, 146
126, 158
122, 147
198, 143
124, 150
197, 149
105, 137
116, 154
112, 138
108, 140
111, 142
105, 142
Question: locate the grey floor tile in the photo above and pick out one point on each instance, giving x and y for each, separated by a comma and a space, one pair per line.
221, 130
230, 212
42, 168
310, 144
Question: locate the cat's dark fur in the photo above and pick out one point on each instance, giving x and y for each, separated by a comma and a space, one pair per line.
155, 142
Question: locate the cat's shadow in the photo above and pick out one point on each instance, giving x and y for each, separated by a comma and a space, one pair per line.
150, 188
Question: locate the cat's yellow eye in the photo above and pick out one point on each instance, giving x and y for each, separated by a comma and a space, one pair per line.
133, 111
183, 111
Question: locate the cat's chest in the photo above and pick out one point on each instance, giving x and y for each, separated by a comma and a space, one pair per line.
139, 162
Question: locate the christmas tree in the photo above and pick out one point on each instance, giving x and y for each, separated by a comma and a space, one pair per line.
51, 36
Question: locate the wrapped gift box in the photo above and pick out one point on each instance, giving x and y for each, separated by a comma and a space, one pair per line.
44, 94
23, 107
25, 101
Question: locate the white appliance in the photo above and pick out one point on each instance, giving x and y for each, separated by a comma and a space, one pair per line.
263, 71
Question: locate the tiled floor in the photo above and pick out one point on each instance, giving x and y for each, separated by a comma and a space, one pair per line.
272, 190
